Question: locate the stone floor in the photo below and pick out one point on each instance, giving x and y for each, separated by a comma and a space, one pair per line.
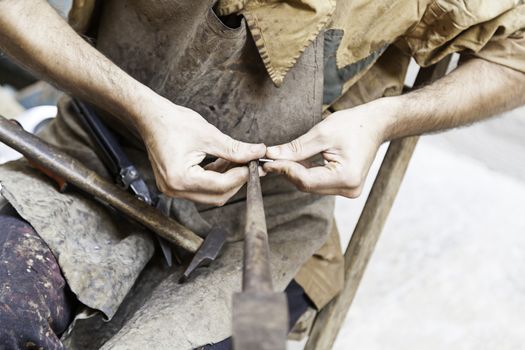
448, 271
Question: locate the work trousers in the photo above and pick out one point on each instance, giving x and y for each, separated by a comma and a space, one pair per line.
36, 305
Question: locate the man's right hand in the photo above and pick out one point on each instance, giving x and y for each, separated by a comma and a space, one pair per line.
178, 139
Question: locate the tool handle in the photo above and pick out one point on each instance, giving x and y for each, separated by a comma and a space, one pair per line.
107, 142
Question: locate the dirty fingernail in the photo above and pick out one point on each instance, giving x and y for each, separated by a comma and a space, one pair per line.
273, 151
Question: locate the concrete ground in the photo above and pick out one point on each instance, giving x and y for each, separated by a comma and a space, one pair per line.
448, 271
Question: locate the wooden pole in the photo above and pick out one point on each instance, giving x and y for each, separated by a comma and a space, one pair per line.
369, 227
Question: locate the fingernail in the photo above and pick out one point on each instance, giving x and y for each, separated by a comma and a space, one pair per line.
273, 151
255, 148
267, 167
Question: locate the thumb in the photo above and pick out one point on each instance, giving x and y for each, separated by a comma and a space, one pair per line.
301, 148
235, 151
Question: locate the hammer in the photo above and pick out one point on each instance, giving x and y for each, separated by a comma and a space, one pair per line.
66, 169
260, 315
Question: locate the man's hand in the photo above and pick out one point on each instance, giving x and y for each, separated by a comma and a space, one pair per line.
178, 139
348, 141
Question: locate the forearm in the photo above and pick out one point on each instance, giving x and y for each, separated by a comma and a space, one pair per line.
33, 34
474, 91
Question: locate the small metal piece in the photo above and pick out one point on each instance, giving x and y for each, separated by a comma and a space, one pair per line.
126, 176
207, 253
265, 160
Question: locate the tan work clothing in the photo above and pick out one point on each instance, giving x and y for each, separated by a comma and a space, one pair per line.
431, 29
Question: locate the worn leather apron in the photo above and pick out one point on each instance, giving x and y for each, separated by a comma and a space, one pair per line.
184, 52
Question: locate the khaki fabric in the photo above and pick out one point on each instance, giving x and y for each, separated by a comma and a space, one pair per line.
449, 26
322, 276
431, 28
385, 78
295, 23
507, 47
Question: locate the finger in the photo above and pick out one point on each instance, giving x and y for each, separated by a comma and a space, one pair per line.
211, 182
223, 146
315, 179
303, 147
219, 165
211, 199
216, 199
345, 192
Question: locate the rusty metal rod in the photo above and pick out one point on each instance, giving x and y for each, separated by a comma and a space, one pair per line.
75, 173
256, 270
260, 315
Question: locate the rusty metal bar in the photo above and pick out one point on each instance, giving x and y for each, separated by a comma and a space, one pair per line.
260, 315
256, 274
75, 173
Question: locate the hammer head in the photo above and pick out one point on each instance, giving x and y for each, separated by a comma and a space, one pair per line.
208, 251
260, 321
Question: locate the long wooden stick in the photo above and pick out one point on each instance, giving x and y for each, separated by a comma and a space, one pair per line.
369, 227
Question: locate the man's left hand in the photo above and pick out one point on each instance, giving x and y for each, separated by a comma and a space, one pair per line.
347, 140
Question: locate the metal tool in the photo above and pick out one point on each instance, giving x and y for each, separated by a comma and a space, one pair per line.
125, 173
66, 168
260, 315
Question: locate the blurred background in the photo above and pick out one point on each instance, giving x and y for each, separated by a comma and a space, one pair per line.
448, 271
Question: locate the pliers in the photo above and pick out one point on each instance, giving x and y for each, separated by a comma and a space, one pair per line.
125, 173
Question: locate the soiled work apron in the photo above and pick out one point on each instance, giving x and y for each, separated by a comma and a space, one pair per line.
182, 51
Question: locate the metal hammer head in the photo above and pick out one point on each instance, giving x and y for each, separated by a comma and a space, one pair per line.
208, 251
260, 321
